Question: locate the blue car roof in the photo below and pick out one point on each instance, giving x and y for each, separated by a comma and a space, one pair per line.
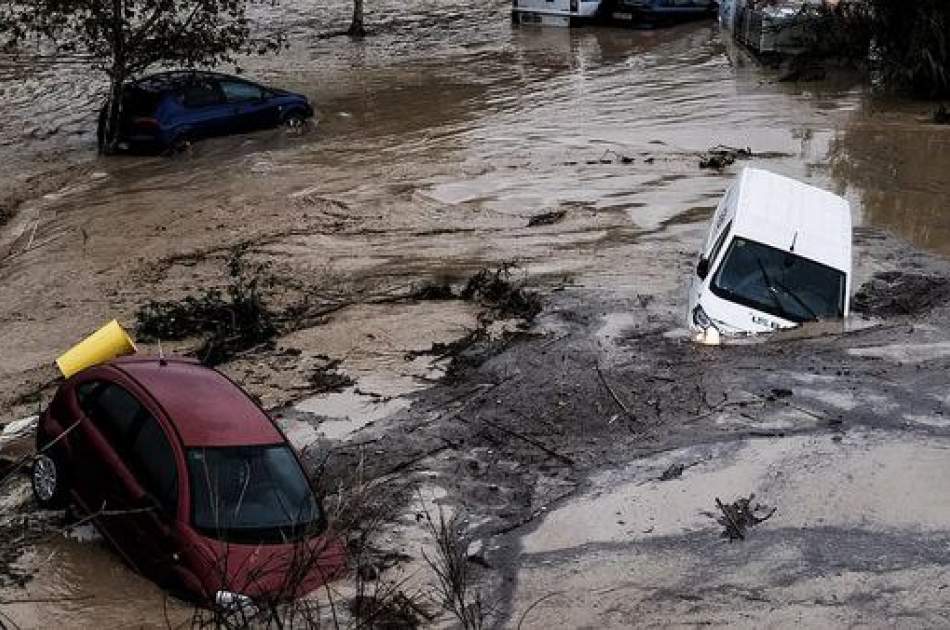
164, 81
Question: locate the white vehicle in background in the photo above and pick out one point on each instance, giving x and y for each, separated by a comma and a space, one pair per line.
778, 254
554, 12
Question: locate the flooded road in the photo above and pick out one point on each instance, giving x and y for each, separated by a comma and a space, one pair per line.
438, 138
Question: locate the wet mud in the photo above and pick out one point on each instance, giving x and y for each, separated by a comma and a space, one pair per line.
893, 293
449, 142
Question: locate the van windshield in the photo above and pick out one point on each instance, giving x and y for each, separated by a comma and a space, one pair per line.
779, 282
251, 494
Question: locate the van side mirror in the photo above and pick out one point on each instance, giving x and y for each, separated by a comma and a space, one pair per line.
702, 269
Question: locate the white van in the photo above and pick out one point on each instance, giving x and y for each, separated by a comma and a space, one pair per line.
778, 254
554, 12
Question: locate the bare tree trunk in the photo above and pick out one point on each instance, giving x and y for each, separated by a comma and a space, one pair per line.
356, 27
110, 118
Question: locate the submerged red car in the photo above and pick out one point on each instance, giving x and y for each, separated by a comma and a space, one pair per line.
188, 478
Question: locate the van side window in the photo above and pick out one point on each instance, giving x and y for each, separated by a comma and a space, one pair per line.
114, 411
719, 243
152, 460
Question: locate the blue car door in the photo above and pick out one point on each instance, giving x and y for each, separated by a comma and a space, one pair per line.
205, 111
253, 106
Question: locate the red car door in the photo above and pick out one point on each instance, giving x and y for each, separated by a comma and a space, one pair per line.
116, 433
152, 493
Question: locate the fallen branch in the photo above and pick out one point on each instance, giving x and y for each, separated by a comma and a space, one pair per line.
613, 394
564, 458
534, 605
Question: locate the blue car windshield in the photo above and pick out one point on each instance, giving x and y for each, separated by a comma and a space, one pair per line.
779, 282
251, 494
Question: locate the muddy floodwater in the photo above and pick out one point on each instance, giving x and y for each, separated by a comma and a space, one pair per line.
437, 139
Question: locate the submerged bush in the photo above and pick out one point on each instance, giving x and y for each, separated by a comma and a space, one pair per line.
905, 44
229, 321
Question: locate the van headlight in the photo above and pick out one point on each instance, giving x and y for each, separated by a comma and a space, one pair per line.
701, 319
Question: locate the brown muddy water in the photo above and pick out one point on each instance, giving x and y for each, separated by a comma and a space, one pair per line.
437, 139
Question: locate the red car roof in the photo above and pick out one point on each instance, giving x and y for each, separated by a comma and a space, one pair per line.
206, 408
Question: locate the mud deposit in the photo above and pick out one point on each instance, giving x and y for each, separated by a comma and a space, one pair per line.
582, 447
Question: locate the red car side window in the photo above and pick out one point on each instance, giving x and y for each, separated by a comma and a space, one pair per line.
136, 436
114, 411
153, 461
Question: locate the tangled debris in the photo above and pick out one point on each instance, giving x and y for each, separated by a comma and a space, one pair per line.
547, 218
502, 298
495, 290
675, 471
328, 378
440, 289
738, 516
895, 293
229, 321
398, 612
721, 156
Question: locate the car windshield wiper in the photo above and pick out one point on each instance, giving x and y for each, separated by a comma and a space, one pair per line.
800, 301
768, 285
771, 284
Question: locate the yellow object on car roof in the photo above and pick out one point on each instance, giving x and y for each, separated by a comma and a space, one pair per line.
107, 343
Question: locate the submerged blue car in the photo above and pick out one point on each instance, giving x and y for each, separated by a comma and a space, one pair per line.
165, 111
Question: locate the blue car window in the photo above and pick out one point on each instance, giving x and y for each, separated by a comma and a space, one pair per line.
201, 93
235, 91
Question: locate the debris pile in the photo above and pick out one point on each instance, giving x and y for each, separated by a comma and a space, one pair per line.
738, 516
440, 289
721, 156
895, 293
229, 321
547, 218
328, 377
495, 290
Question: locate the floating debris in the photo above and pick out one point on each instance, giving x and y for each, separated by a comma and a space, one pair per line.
738, 516
721, 156
547, 218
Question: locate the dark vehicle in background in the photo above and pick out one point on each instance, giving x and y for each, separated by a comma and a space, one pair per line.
166, 110
188, 478
650, 12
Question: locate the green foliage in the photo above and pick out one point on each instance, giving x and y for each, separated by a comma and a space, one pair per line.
906, 44
912, 43
136, 33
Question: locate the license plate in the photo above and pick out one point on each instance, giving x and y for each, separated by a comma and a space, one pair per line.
623, 16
